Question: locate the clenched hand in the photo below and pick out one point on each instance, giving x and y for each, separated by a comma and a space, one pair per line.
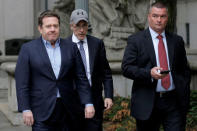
89, 111
108, 103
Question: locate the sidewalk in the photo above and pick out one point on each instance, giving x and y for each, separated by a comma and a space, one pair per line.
5, 125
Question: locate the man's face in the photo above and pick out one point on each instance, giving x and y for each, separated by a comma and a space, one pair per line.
158, 18
80, 29
50, 29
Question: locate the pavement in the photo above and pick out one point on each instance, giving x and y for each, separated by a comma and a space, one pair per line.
5, 124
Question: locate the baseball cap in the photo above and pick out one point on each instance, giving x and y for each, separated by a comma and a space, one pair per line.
78, 15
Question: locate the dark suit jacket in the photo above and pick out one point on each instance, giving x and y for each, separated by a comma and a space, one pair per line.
138, 60
100, 73
37, 85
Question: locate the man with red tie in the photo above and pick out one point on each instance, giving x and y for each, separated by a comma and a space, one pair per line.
156, 60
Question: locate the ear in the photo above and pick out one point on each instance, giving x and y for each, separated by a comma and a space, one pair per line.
40, 29
149, 15
71, 27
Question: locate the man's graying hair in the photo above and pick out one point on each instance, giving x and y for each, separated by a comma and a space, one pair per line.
47, 13
158, 4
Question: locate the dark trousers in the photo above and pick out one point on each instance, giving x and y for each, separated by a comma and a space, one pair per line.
56, 122
166, 112
93, 125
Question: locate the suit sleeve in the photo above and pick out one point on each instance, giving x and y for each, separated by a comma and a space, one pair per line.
22, 74
107, 75
82, 84
136, 64
181, 74
186, 72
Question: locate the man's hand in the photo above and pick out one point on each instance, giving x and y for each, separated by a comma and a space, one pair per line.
108, 103
28, 118
89, 111
155, 73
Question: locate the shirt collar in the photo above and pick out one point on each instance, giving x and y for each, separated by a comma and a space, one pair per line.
155, 34
47, 43
76, 40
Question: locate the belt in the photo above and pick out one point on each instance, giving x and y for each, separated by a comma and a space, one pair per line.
166, 94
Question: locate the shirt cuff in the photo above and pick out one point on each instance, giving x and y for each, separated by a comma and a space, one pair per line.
88, 105
26, 110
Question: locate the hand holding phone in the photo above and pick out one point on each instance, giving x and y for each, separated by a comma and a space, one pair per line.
164, 71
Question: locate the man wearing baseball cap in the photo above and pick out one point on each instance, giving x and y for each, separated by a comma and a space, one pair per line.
97, 68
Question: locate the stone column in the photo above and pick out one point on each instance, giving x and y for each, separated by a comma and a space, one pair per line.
10, 109
4, 79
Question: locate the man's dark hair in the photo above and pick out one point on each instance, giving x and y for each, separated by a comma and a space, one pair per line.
47, 13
158, 4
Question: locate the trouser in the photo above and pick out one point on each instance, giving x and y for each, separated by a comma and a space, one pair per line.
166, 112
56, 122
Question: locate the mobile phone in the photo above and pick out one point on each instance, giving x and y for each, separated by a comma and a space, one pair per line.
164, 71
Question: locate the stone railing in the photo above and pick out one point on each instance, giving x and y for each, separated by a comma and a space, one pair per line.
192, 58
11, 109
4, 76
122, 85
193, 66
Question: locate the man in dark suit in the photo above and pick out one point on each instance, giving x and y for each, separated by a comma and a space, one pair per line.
97, 67
158, 96
45, 71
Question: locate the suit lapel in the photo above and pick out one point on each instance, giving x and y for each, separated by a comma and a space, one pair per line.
149, 46
45, 57
92, 52
170, 45
63, 59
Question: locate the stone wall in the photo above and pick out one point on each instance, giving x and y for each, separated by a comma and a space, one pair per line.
16, 20
186, 14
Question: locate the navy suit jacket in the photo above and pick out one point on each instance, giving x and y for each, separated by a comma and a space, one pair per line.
100, 71
37, 85
139, 58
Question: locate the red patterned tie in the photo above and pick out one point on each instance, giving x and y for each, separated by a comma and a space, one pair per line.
165, 82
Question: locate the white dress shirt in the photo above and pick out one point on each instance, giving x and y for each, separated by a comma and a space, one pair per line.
155, 44
54, 54
85, 46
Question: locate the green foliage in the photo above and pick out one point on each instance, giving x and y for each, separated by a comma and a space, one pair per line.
115, 115
192, 115
118, 118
